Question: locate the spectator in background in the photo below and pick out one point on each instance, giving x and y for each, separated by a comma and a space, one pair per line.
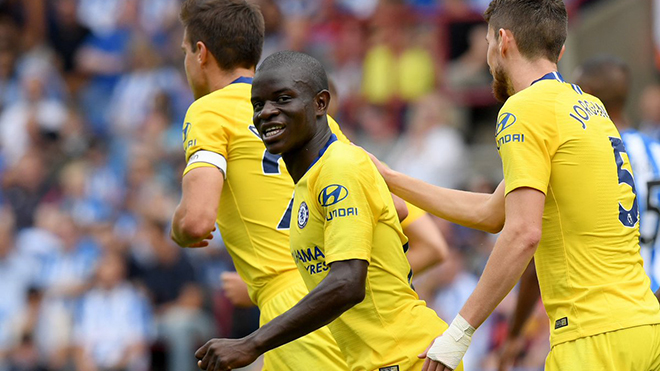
112, 324
104, 17
35, 121
274, 27
85, 210
155, 17
400, 65
346, 85
432, 149
10, 85
649, 109
65, 35
16, 276
133, 97
25, 356
470, 69
176, 297
64, 275
102, 57
25, 186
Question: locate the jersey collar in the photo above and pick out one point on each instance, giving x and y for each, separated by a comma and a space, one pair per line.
333, 138
242, 79
550, 76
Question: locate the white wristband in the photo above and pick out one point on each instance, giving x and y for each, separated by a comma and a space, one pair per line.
450, 347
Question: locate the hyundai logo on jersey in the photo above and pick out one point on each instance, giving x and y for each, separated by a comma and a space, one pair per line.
186, 129
332, 194
505, 120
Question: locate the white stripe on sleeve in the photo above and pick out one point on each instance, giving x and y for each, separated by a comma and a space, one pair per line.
212, 158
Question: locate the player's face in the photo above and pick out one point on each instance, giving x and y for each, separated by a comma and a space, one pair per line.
192, 65
502, 87
284, 113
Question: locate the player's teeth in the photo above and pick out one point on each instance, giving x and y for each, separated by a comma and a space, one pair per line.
273, 131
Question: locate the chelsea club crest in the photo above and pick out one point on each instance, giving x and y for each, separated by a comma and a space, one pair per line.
303, 215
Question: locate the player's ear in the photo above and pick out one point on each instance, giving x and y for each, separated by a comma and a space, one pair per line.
321, 102
505, 40
203, 55
561, 53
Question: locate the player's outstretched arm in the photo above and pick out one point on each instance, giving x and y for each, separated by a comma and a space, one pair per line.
481, 211
657, 294
194, 217
510, 257
342, 288
528, 296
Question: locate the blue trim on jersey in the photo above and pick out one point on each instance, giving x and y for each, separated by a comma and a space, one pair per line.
577, 89
333, 138
242, 79
550, 76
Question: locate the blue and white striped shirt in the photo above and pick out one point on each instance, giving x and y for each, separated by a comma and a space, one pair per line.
644, 154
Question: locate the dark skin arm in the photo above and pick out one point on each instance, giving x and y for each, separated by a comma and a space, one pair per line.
343, 288
657, 295
528, 296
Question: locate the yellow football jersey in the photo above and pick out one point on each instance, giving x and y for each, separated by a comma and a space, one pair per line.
557, 139
414, 213
343, 210
255, 205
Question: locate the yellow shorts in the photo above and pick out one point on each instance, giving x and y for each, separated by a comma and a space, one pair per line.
316, 351
632, 349
418, 366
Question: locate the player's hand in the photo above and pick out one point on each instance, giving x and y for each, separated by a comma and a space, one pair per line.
226, 354
431, 365
203, 243
236, 289
448, 349
510, 351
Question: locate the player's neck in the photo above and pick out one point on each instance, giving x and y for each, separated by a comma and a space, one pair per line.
298, 161
219, 78
528, 71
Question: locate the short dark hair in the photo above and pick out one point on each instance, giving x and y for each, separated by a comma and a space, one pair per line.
608, 78
232, 30
538, 26
312, 70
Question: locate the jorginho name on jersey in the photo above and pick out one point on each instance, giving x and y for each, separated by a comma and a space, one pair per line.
588, 262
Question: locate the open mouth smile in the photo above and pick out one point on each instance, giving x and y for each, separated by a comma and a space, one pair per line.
272, 131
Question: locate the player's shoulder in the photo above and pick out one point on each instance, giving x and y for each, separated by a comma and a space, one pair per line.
344, 153
220, 101
537, 101
344, 160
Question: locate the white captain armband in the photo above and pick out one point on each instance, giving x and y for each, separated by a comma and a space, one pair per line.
209, 157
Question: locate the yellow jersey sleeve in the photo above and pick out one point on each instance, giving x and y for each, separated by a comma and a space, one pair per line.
205, 133
414, 213
342, 196
526, 146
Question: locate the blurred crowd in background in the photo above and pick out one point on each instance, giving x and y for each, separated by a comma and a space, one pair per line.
92, 98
